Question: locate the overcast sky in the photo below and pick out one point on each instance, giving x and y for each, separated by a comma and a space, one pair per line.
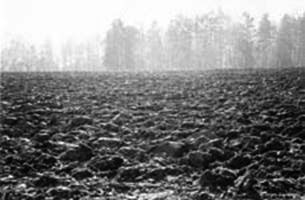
60, 19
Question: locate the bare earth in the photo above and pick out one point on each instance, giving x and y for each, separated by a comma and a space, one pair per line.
153, 136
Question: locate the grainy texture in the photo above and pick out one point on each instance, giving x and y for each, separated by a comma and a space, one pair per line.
177, 135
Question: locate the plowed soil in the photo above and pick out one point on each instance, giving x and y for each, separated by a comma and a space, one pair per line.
225, 134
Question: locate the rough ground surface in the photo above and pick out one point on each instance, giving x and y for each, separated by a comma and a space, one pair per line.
187, 135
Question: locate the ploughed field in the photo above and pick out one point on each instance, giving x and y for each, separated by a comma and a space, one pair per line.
223, 134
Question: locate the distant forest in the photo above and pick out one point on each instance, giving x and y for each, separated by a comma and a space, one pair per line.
209, 41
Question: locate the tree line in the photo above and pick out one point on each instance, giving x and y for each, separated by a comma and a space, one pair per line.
21, 55
209, 41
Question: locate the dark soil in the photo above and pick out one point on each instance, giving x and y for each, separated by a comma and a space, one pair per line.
223, 134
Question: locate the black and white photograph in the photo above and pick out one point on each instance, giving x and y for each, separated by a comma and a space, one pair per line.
152, 100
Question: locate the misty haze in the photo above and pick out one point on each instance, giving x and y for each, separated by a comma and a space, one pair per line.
152, 100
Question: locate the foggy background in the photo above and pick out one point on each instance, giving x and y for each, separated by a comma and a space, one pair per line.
41, 35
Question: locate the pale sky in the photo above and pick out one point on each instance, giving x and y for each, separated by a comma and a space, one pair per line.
60, 19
